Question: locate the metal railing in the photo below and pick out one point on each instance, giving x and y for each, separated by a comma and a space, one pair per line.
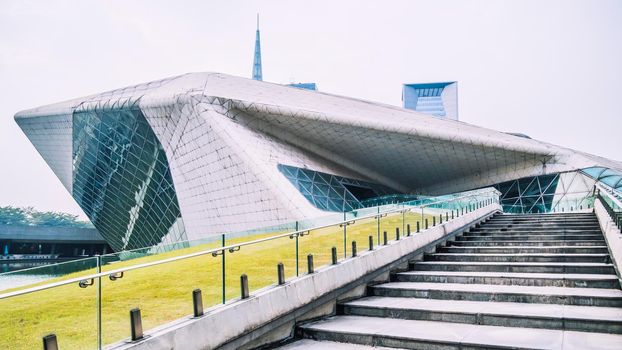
612, 203
162, 287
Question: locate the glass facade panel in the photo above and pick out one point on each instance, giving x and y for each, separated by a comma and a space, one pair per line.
122, 180
330, 192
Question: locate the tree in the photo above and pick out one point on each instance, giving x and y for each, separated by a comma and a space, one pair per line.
30, 217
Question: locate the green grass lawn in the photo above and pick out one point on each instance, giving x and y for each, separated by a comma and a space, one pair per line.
163, 292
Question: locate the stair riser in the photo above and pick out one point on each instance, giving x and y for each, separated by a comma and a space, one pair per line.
525, 243
501, 231
498, 297
486, 319
607, 270
533, 238
388, 341
513, 281
541, 227
487, 250
518, 258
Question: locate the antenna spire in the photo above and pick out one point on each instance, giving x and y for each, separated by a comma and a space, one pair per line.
257, 75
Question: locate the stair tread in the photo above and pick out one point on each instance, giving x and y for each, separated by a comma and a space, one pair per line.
460, 333
515, 275
536, 247
557, 311
525, 254
308, 344
588, 264
504, 289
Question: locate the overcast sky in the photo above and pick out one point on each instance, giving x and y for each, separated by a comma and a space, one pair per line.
549, 69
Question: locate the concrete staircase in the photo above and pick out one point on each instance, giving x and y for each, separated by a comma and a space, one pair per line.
541, 281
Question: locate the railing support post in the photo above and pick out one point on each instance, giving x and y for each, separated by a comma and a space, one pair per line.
371, 243
244, 294
426, 223
397, 233
353, 249
386, 239
280, 272
433, 221
310, 263
197, 303
333, 254
418, 228
50, 342
408, 230
136, 324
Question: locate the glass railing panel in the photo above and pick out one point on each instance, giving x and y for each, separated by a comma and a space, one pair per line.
359, 230
37, 275
162, 292
258, 261
68, 311
389, 222
319, 243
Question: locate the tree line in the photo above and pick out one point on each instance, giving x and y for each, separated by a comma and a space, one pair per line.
10, 215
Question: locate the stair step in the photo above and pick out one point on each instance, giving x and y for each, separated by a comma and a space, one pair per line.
487, 292
532, 237
543, 257
526, 249
308, 344
548, 316
512, 278
523, 267
414, 334
583, 243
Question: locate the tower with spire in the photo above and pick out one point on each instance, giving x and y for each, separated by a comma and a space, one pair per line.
257, 60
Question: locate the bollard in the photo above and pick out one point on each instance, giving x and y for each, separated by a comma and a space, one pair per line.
280, 272
440, 218
50, 342
136, 324
310, 263
397, 233
418, 228
452, 214
197, 303
447, 215
433, 221
371, 243
386, 240
426, 223
244, 287
333, 254
353, 249
408, 230
462, 211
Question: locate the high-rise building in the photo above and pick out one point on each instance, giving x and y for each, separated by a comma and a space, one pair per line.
257, 75
201, 154
437, 99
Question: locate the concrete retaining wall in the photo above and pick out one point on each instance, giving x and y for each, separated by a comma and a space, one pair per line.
243, 322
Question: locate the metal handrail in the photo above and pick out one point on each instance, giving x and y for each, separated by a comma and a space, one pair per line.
606, 189
231, 248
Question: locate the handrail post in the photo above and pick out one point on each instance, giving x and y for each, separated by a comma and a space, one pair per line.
371, 242
353, 249
426, 223
418, 227
397, 233
333, 254
386, 240
224, 275
99, 303
433, 221
297, 253
408, 230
